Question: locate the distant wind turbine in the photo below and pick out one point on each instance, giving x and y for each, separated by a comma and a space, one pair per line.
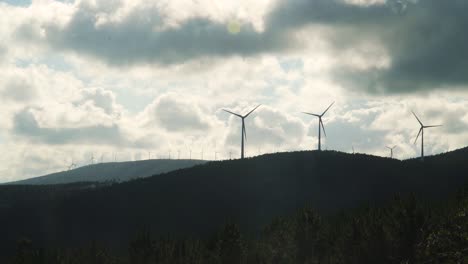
243, 133
320, 126
72, 165
421, 132
391, 150
92, 158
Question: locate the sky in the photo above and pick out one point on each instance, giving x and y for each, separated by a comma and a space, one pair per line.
92, 80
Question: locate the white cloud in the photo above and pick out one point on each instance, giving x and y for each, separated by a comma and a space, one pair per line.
176, 114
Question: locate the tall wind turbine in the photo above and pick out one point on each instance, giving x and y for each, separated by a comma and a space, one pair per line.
243, 133
320, 126
391, 150
421, 132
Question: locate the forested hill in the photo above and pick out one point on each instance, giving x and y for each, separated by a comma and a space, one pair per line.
113, 171
198, 200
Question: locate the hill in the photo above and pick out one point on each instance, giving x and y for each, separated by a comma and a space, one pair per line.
198, 200
114, 171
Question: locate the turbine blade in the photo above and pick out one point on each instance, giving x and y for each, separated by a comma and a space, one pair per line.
251, 111
388, 147
323, 127
245, 133
432, 126
417, 118
232, 113
394, 147
418, 135
327, 108
311, 114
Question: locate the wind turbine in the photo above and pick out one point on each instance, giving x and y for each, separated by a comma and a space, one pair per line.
391, 150
320, 126
421, 132
72, 165
243, 133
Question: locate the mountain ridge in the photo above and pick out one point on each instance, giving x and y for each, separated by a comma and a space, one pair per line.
198, 200
111, 171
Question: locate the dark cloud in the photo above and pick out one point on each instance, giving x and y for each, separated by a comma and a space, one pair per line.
137, 41
25, 124
425, 39
428, 49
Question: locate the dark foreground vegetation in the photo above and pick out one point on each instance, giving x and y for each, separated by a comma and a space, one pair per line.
405, 230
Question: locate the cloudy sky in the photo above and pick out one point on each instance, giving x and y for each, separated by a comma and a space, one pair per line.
128, 79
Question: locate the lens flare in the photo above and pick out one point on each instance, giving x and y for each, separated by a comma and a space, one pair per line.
233, 27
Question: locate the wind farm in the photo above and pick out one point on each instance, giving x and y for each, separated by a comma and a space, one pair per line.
234, 132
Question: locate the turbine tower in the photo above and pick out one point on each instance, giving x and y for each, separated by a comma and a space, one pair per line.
320, 125
243, 133
391, 150
421, 132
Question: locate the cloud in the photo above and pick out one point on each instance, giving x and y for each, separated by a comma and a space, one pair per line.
26, 124
123, 34
423, 53
18, 90
174, 113
100, 98
3, 52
